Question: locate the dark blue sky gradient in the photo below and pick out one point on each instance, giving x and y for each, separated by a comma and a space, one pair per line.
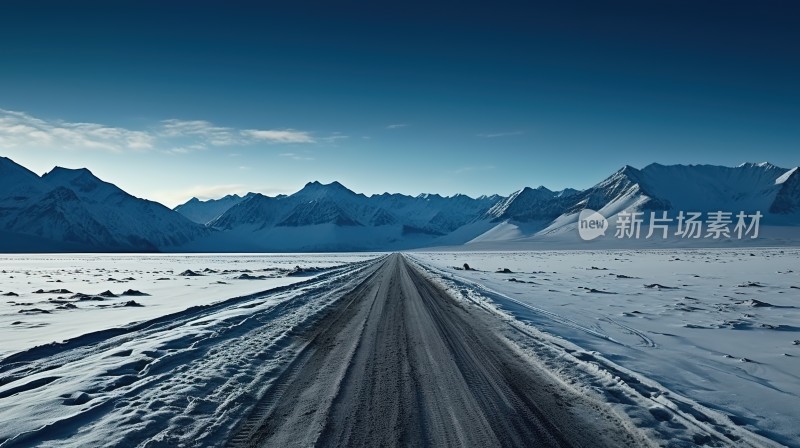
576, 88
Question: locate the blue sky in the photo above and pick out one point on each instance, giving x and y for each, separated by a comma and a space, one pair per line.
204, 99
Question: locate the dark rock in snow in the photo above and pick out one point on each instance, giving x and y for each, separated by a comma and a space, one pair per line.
133, 292
67, 306
298, 271
190, 273
755, 303
250, 277
658, 286
34, 311
85, 297
132, 303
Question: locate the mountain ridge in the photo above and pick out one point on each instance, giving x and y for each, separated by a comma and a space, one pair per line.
72, 209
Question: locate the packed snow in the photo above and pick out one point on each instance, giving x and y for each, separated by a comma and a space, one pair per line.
184, 378
713, 336
687, 343
50, 298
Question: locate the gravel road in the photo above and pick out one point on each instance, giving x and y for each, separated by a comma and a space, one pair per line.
398, 362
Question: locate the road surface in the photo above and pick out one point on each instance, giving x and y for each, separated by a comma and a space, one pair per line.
398, 362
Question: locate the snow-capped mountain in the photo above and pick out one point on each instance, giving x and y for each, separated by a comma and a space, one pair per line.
750, 187
332, 217
203, 212
71, 209
533, 204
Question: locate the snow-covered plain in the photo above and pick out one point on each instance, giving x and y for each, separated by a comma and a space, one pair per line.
29, 318
687, 343
182, 369
712, 336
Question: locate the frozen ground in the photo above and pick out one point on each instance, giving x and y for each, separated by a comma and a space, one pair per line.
695, 346
71, 301
185, 376
706, 337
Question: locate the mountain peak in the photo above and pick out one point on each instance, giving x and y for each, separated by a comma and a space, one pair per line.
8, 166
317, 184
313, 185
316, 190
62, 173
5, 161
765, 165
627, 169
16, 177
429, 196
540, 189
83, 181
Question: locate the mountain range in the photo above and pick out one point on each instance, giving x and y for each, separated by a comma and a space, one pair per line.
72, 210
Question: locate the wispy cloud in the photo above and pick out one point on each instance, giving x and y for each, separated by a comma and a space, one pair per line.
501, 134
396, 126
173, 136
18, 129
334, 137
226, 136
295, 156
202, 130
279, 136
181, 150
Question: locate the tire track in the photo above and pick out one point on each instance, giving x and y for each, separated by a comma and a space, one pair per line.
401, 363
